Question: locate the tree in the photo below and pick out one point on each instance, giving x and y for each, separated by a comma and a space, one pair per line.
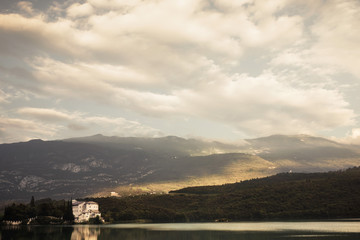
32, 202
31, 209
95, 220
68, 214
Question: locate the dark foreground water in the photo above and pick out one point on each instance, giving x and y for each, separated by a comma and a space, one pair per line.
342, 230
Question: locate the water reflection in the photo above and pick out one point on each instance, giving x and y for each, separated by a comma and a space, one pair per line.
91, 233
35, 232
212, 231
85, 232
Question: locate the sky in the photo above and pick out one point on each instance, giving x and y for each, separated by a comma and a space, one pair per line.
213, 69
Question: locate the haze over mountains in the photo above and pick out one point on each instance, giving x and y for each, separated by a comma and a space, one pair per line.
98, 164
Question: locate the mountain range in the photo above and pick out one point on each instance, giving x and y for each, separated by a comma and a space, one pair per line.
98, 165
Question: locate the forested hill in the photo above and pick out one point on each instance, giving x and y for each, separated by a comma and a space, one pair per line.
283, 196
328, 181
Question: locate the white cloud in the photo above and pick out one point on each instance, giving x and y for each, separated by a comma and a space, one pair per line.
254, 105
353, 137
80, 10
26, 7
47, 115
185, 58
160, 27
113, 4
36, 36
103, 83
122, 127
332, 41
55, 124
3, 96
263, 105
337, 40
16, 129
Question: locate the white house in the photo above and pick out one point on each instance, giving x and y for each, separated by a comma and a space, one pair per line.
83, 211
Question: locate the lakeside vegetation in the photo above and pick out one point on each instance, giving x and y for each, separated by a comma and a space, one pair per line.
44, 211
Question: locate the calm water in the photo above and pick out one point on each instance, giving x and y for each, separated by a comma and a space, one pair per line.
197, 231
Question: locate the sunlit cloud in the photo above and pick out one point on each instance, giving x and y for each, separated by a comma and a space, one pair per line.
16, 129
257, 67
51, 123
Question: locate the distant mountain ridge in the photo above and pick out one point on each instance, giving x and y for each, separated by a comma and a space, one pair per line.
169, 144
307, 153
97, 165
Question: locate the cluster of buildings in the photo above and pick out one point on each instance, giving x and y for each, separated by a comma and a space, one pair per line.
83, 211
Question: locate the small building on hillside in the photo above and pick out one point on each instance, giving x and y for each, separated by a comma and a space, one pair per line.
83, 211
114, 194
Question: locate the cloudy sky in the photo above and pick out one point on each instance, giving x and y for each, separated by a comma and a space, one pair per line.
219, 69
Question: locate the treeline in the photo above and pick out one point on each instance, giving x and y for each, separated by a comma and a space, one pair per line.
44, 211
283, 196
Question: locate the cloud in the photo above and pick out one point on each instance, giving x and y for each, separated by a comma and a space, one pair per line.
115, 85
259, 105
17, 123
353, 137
3, 96
156, 27
32, 36
113, 4
263, 105
123, 127
336, 38
189, 59
46, 123
16, 129
26, 7
47, 115
80, 10
332, 42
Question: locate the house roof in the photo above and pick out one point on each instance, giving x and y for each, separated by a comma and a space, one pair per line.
77, 203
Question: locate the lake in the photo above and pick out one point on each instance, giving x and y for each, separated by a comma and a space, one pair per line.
197, 231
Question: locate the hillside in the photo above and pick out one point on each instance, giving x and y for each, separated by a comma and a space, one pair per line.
282, 196
98, 165
305, 153
73, 168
